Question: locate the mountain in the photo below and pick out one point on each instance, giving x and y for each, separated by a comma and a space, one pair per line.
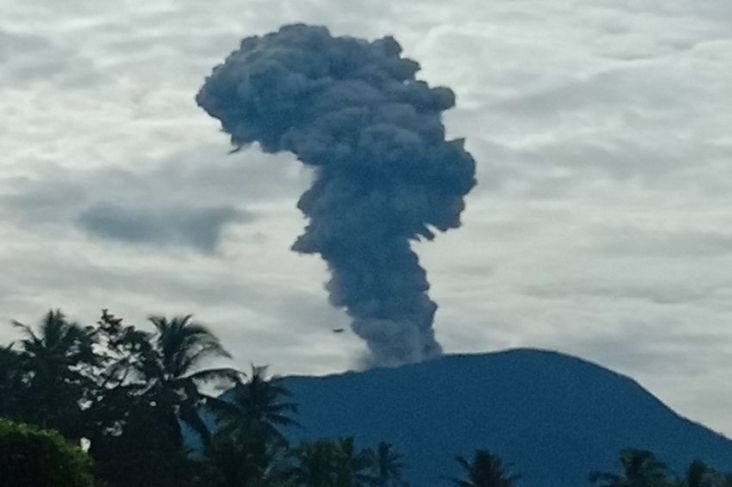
553, 417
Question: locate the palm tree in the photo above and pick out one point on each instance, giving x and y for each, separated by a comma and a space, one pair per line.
388, 465
486, 470
174, 369
328, 463
256, 405
243, 457
701, 475
53, 360
11, 381
640, 468
697, 475
316, 464
150, 384
248, 448
353, 466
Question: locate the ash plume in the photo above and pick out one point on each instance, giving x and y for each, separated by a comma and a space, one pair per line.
383, 172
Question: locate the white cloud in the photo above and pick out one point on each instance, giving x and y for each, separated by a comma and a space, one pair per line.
599, 226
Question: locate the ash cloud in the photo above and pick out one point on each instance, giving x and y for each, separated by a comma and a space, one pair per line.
384, 173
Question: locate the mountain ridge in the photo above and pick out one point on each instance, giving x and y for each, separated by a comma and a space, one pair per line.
554, 417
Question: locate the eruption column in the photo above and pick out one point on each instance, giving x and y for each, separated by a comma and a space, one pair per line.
384, 173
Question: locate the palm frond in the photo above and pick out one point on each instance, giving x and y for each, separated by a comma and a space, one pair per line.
27, 330
220, 373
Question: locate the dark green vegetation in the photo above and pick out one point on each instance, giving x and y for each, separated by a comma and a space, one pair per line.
486, 470
641, 468
134, 395
30, 456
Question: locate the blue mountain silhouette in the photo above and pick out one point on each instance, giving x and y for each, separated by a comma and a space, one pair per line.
553, 417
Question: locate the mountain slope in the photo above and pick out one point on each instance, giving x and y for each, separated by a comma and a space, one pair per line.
553, 417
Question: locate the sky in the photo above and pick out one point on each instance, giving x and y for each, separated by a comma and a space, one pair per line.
600, 225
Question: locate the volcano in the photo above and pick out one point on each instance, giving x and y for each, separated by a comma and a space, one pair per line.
553, 417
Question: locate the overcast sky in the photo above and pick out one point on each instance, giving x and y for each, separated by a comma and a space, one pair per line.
601, 225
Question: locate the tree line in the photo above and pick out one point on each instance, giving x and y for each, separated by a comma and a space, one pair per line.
128, 396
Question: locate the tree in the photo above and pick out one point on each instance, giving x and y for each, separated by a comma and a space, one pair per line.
701, 475
174, 370
316, 464
486, 470
119, 381
388, 465
697, 475
30, 456
11, 382
256, 405
327, 463
639, 468
147, 384
248, 448
354, 468
241, 457
52, 361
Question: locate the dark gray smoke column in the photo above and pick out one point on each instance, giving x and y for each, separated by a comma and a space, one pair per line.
384, 173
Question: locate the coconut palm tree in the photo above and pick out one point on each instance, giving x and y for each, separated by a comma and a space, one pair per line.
243, 457
388, 466
256, 405
639, 468
52, 359
697, 475
701, 475
248, 447
317, 464
175, 369
11, 381
486, 470
153, 381
353, 468
332, 463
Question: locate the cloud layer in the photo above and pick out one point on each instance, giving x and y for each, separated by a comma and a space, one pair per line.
198, 227
600, 224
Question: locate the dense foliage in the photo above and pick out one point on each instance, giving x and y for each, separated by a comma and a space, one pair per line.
30, 456
486, 470
131, 393
641, 468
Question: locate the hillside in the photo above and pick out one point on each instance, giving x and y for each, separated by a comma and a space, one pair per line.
554, 417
